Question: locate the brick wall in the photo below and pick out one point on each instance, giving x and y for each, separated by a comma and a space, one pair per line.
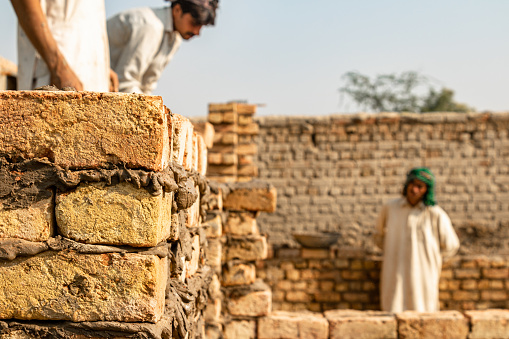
333, 173
324, 279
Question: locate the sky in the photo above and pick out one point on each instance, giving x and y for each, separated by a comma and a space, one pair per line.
289, 56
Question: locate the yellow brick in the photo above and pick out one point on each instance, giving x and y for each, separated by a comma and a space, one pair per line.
85, 129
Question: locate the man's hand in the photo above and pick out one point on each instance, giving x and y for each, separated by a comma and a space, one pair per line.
63, 76
113, 81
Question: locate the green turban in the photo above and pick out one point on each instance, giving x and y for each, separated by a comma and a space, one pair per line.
425, 175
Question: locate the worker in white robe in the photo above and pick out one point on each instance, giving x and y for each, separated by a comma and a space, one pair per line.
415, 235
63, 43
144, 40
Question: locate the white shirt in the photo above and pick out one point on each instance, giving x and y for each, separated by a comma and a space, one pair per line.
142, 43
414, 240
79, 29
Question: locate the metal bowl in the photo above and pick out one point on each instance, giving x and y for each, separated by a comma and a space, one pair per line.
316, 239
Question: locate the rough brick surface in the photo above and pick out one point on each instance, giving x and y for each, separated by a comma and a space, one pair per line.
238, 274
253, 304
83, 287
34, 223
488, 324
444, 325
251, 196
241, 223
182, 130
236, 329
350, 324
85, 129
249, 249
304, 325
118, 215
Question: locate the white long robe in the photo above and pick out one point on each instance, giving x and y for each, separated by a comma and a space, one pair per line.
79, 29
414, 239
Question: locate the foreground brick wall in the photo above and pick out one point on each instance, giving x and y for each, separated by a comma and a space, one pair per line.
333, 173
100, 217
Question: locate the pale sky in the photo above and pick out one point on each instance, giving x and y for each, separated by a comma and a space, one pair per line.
290, 55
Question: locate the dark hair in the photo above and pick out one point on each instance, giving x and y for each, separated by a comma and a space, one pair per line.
202, 15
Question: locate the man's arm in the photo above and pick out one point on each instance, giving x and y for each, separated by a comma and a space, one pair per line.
33, 21
381, 228
449, 242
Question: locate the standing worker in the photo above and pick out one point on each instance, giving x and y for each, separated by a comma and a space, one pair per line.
144, 40
415, 234
63, 43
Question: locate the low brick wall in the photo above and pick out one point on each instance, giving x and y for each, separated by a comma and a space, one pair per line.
351, 324
325, 279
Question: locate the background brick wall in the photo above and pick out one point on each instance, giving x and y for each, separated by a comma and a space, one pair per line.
333, 173
325, 279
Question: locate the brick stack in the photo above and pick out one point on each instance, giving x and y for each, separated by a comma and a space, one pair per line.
8, 72
99, 217
235, 244
231, 158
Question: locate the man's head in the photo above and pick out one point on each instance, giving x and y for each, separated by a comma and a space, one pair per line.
419, 186
189, 16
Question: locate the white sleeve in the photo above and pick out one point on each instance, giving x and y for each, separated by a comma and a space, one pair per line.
449, 242
135, 52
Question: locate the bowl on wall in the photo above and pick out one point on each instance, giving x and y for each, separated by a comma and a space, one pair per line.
316, 239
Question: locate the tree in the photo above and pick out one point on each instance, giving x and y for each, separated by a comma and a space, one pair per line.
407, 92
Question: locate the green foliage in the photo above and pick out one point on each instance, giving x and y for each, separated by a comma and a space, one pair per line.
408, 92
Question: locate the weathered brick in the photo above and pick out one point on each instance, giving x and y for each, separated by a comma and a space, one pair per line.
213, 252
493, 295
444, 324
240, 329
253, 304
238, 274
253, 196
350, 324
249, 249
212, 313
496, 273
206, 130
193, 265
84, 287
192, 215
315, 253
213, 225
465, 295
246, 109
118, 215
298, 296
241, 223
488, 324
34, 223
85, 129
304, 325
467, 273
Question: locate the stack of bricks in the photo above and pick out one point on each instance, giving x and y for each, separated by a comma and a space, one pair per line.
100, 217
231, 158
8, 72
237, 298
324, 279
